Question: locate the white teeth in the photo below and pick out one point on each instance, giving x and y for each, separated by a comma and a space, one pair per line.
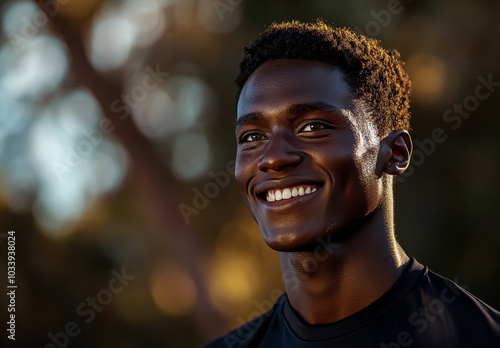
278, 196
287, 193
270, 196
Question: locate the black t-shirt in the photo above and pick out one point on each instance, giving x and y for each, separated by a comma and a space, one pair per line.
422, 309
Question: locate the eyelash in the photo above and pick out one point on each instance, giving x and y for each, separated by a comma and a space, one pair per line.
247, 135
323, 126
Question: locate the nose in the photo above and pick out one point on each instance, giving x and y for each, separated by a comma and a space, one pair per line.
279, 153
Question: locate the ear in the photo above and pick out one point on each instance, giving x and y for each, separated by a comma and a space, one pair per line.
395, 152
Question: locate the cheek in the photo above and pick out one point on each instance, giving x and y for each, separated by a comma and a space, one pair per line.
238, 174
349, 185
372, 186
241, 172
339, 165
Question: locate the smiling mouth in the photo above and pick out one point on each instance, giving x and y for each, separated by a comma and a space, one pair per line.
290, 192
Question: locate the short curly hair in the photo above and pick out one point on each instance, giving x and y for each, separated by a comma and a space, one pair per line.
375, 75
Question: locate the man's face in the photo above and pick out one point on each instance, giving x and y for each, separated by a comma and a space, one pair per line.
307, 153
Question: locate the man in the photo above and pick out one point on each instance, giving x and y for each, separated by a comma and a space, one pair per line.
322, 129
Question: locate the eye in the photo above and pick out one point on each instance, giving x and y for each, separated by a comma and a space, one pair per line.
313, 127
252, 137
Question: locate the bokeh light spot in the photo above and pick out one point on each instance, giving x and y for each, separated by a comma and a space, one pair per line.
428, 75
111, 41
36, 70
149, 20
173, 290
192, 155
15, 16
73, 160
232, 280
174, 107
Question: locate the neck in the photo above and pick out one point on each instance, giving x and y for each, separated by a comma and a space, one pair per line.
334, 281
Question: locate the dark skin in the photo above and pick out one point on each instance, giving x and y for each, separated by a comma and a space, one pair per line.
312, 167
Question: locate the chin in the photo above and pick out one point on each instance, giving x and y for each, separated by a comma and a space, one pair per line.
286, 241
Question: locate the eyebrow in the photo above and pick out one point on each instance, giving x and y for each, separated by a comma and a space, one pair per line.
251, 117
295, 109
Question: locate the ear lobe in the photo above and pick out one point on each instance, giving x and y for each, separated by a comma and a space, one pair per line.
399, 146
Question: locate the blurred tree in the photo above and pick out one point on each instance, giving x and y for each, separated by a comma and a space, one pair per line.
94, 160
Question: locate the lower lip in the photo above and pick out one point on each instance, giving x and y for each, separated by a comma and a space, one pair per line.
284, 203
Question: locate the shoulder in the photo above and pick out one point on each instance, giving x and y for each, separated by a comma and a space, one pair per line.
450, 293
445, 305
250, 332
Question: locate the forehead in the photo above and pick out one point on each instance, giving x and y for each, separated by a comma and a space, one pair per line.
276, 85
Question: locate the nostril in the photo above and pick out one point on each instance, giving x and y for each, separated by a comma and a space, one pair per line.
279, 159
280, 162
280, 152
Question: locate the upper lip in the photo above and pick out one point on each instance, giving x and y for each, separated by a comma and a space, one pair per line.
278, 184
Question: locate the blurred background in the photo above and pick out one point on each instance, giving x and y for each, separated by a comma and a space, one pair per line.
116, 150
